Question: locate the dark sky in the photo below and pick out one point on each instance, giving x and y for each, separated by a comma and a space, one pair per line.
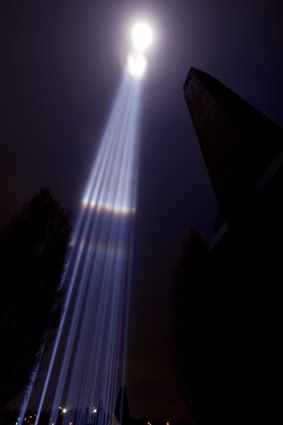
61, 64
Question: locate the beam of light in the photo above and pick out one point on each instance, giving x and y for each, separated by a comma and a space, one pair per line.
87, 363
32, 380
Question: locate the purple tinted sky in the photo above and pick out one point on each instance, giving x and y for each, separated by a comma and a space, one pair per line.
61, 64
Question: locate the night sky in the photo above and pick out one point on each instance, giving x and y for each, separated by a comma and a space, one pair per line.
61, 65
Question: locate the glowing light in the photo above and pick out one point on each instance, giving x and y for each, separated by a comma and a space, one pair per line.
142, 36
94, 410
137, 65
118, 210
84, 205
64, 410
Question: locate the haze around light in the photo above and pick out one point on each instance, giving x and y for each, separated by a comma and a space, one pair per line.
141, 39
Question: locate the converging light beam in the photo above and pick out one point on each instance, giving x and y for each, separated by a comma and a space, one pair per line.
88, 360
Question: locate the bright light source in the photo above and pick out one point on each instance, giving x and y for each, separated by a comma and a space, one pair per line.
136, 65
142, 36
64, 410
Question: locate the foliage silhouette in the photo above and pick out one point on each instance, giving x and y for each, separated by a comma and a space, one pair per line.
32, 253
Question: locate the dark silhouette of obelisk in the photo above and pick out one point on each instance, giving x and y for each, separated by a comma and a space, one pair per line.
231, 293
237, 141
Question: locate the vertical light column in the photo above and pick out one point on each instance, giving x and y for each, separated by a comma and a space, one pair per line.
87, 365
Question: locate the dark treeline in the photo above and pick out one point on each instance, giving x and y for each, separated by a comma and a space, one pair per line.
32, 252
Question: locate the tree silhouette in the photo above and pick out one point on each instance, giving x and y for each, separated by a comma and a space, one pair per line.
32, 252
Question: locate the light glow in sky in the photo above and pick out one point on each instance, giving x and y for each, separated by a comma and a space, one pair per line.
141, 36
137, 65
141, 40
